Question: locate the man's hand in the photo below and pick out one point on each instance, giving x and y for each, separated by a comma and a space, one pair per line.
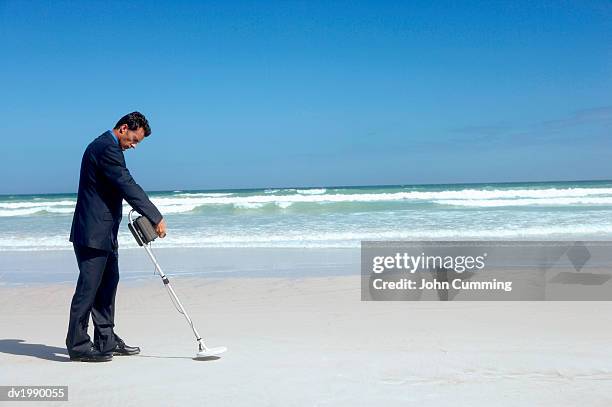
160, 228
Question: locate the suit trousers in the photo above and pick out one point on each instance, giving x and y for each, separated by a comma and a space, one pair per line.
94, 294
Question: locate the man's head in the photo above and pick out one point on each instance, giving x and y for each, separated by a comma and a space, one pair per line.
131, 129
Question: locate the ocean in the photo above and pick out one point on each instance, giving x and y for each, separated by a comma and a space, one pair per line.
337, 216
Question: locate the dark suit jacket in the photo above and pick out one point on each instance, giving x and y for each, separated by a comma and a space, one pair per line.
104, 183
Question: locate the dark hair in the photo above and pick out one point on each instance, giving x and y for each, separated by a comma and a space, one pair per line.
134, 121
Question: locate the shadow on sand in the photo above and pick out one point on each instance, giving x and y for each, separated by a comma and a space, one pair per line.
202, 359
37, 350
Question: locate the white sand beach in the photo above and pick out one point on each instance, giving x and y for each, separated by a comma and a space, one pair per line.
310, 341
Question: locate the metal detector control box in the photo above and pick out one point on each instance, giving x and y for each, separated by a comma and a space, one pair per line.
143, 230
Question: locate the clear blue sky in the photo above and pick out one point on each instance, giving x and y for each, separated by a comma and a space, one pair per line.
262, 94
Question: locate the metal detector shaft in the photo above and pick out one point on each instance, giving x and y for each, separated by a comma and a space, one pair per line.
167, 283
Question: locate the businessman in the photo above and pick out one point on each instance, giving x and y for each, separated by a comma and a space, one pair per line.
104, 183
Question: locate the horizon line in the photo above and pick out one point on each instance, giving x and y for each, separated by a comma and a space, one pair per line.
332, 186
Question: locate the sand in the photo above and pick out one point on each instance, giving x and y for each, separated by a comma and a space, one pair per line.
310, 341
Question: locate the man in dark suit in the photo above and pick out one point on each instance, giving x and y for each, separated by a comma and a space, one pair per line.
104, 183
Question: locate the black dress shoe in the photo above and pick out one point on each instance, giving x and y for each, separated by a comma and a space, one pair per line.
121, 349
94, 355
